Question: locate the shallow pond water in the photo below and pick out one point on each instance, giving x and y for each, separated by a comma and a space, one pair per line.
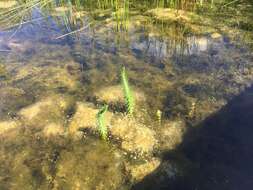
61, 62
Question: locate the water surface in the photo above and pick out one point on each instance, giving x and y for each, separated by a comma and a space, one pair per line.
60, 62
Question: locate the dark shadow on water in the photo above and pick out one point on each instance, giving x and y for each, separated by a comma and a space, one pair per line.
218, 152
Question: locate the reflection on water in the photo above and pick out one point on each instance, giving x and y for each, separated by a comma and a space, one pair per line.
60, 62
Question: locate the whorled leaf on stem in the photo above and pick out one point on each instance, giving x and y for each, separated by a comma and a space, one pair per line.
101, 122
129, 99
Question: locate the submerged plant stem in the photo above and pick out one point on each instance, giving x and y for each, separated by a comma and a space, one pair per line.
129, 99
101, 122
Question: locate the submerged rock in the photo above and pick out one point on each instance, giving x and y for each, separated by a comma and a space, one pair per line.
216, 35
139, 171
45, 111
207, 107
18, 173
190, 21
59, 78
90, 165
168, 14
136, 137
171, 134
53, 130
6, 126
47, 75
11, 99
169, 170
114, 96
33, 110
26, 162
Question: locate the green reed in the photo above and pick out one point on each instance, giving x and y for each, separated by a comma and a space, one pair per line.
179, 4
102, 129
120, 10
19, 12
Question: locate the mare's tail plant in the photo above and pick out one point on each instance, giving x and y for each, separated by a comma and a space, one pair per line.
129, 99
101, 122
159, 116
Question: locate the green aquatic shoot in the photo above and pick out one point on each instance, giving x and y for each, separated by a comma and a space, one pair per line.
101, 122
159, 116
129, 99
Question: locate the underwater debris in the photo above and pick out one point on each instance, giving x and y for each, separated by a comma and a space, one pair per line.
101, 122
129, 99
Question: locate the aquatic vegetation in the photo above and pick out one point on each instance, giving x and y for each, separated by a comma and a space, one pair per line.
159, 116
53, 87
85, 118
121, 14
129, 99
114, 97
18, 13
101, 122
178, 4
192, 110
